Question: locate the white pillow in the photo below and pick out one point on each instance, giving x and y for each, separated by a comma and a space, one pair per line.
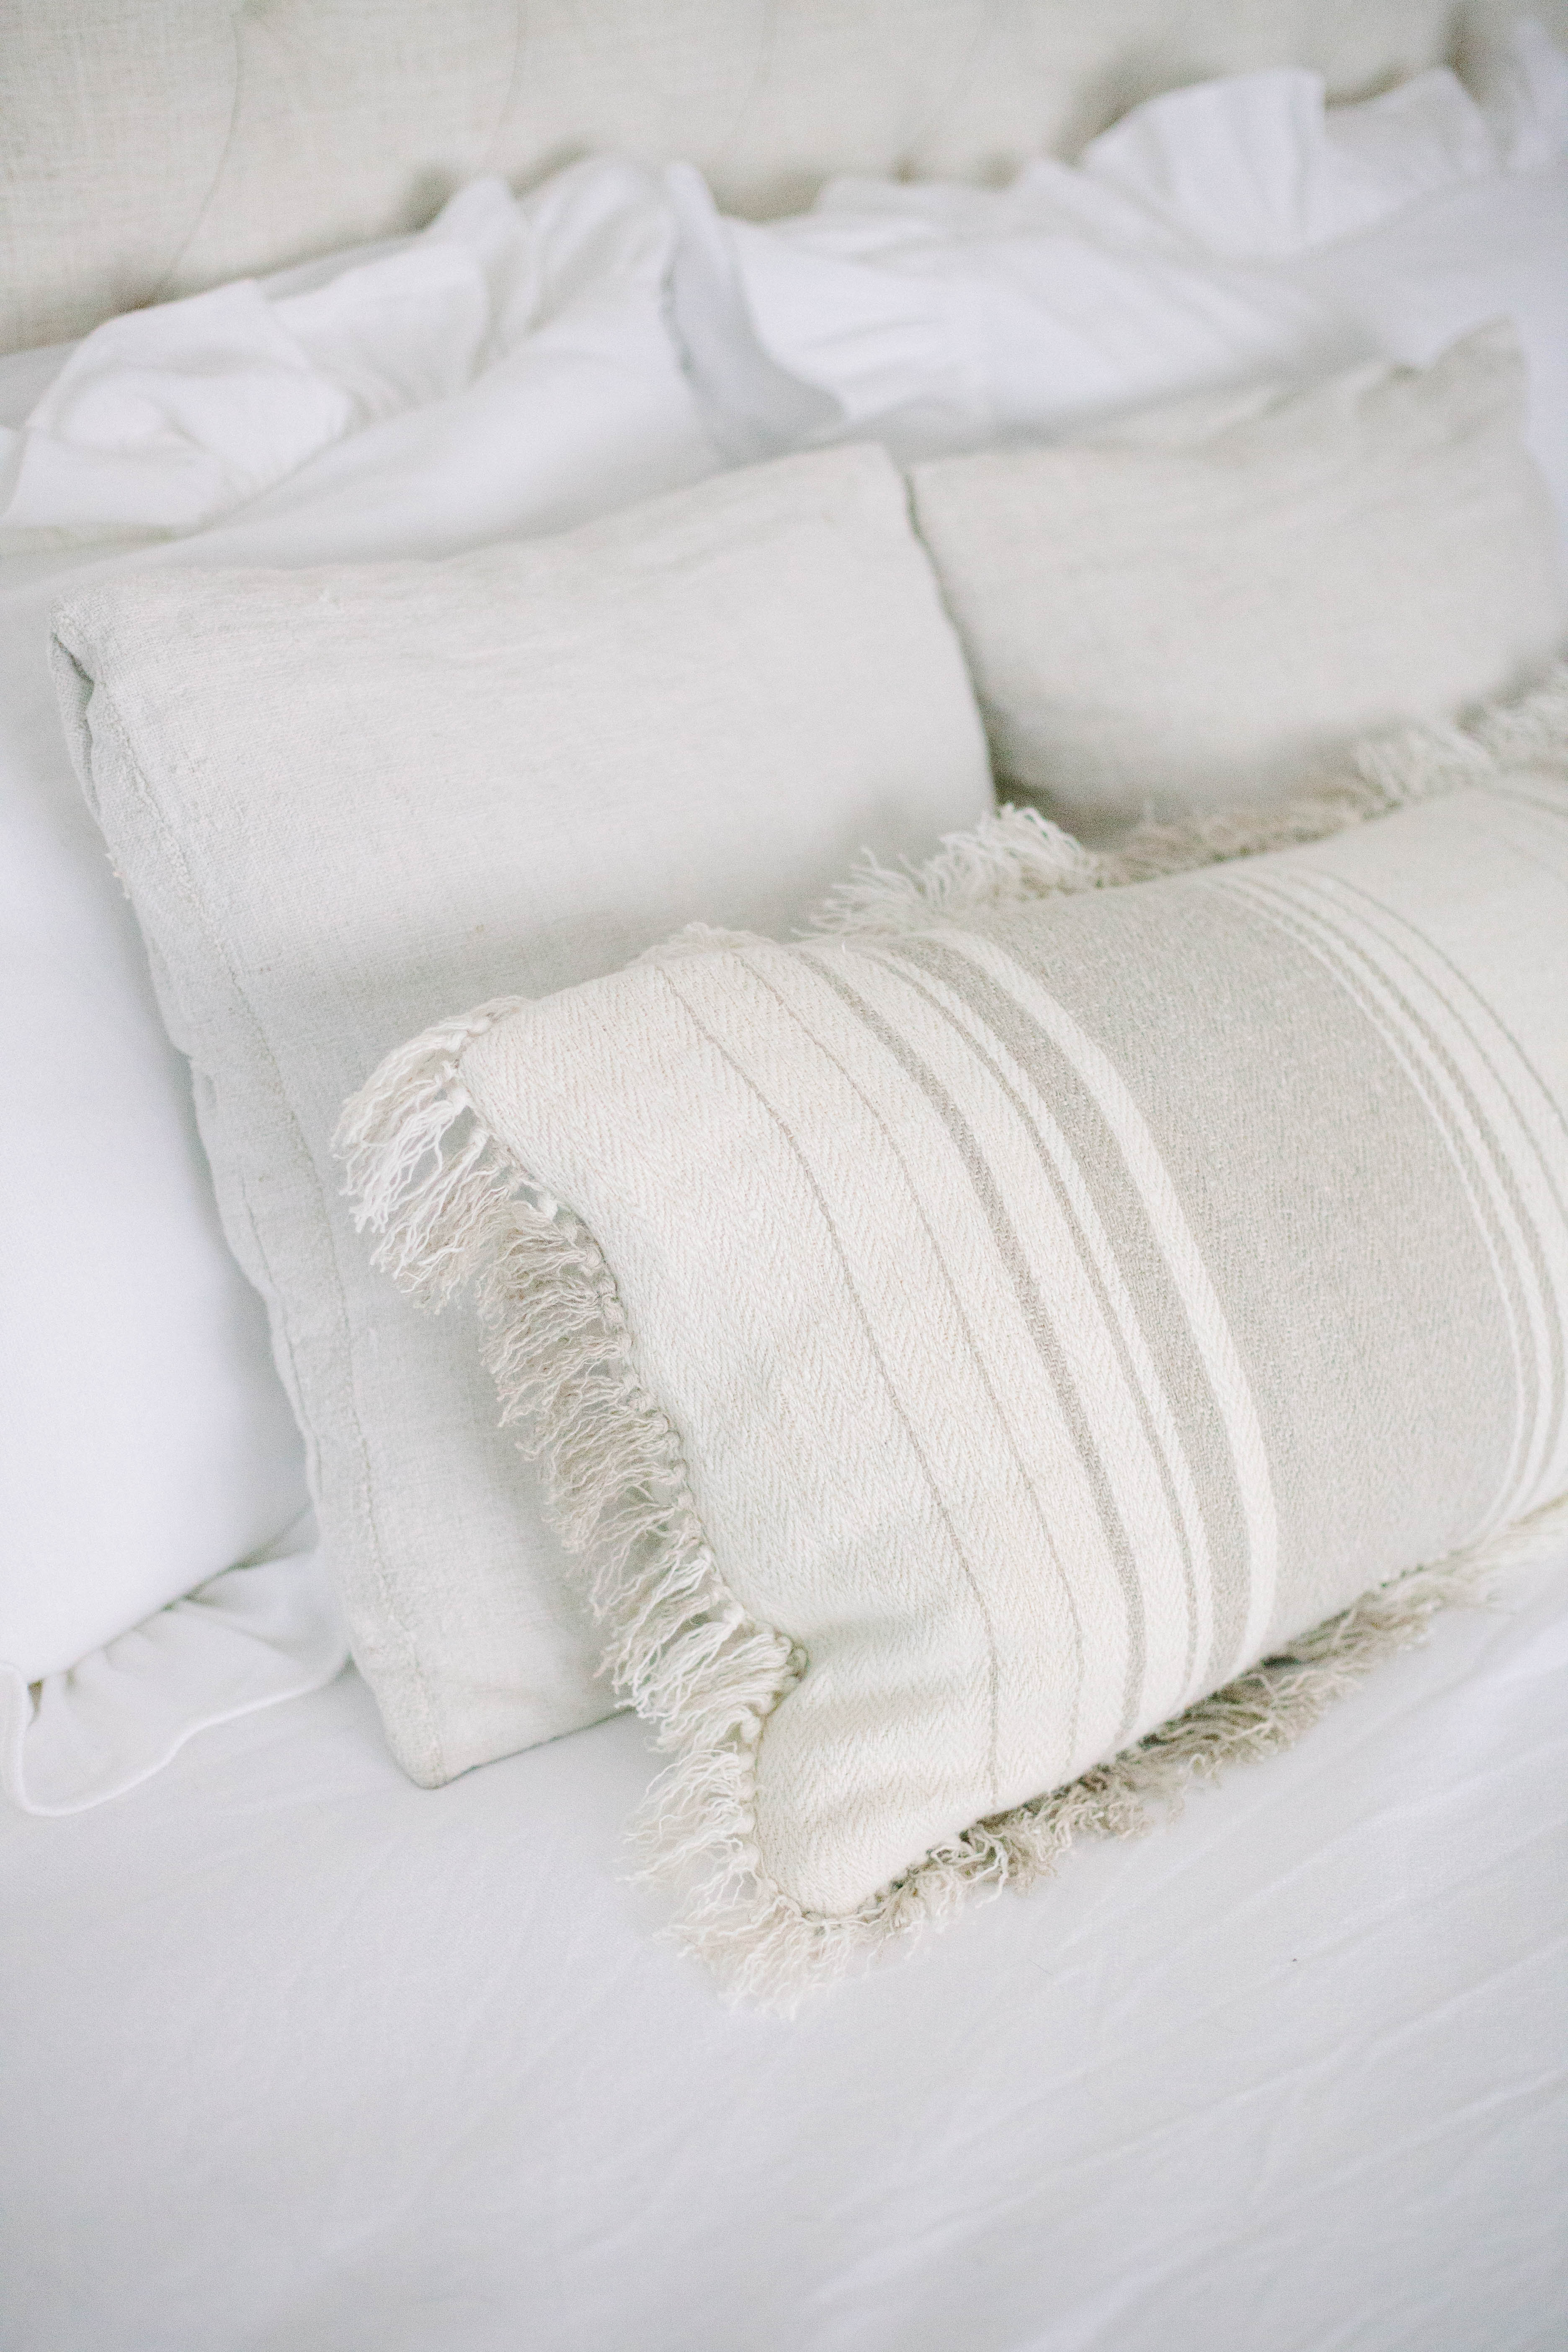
1191, 610
341, 799
149, 1443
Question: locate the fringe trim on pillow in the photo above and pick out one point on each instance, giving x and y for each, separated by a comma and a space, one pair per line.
1018, 855
453, 1213
451, 1209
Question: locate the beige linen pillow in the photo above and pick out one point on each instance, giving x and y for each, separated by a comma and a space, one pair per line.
342, 800
967, 1343
1205, 602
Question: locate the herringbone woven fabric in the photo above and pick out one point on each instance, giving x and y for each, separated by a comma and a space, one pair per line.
346, 798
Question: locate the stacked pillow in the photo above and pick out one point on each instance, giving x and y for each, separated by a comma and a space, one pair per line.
703, 710
347, 801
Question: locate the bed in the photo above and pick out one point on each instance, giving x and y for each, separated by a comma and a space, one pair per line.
301, 2057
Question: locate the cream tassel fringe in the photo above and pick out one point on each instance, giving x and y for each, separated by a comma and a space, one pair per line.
1018, 855
450, 1208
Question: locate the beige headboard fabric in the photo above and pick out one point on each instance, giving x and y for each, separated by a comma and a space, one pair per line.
150, 148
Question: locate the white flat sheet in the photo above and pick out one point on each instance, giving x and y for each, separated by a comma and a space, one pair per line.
299, 2058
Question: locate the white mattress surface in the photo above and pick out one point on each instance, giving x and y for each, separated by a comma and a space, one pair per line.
299, 2058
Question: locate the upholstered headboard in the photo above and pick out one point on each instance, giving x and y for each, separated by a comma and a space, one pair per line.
149, 147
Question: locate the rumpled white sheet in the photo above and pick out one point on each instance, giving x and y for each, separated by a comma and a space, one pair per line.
936, 317
1167, 260
1259, 167
299, 2058
166, 418
252, 1635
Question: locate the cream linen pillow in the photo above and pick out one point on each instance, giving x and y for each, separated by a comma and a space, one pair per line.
1205, 603
970, 1342
344, 799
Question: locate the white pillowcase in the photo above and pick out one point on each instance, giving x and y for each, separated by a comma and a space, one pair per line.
149, 1444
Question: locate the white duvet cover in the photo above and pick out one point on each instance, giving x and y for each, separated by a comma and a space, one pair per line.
299, 2058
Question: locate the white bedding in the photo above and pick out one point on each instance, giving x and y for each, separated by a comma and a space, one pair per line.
144, 1466
301, 2059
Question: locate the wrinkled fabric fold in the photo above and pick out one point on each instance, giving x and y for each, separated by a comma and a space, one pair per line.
254, 1635
164, 420
1172, 257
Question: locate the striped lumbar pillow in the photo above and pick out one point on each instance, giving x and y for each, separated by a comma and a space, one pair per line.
968, 1343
